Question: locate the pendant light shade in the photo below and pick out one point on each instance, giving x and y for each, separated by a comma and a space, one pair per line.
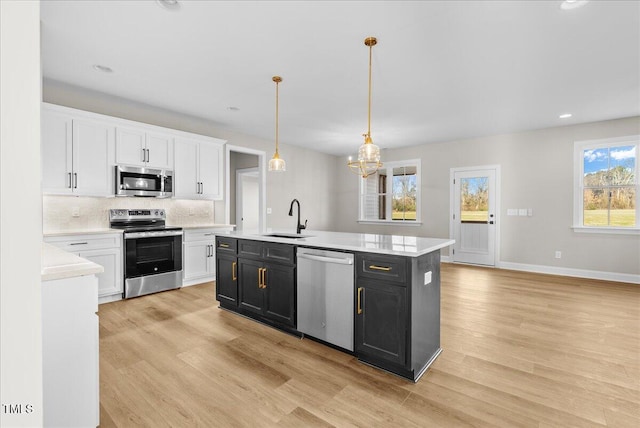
368, 160
276, 163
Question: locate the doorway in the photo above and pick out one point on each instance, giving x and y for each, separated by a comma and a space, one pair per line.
245, 188
247, 200
474, 217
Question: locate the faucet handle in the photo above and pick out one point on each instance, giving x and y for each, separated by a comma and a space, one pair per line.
305, 225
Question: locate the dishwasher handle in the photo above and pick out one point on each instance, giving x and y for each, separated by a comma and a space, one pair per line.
336, 260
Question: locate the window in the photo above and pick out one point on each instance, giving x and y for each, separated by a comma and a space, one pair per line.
393, 194
606, 193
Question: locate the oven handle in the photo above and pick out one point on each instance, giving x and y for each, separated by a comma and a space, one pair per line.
134, 235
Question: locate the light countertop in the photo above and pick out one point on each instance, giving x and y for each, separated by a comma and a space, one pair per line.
59, 264
410, 246
204, 226
52, 233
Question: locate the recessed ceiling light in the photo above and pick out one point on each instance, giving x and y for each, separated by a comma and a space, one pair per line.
169, 4
565, 116
573, 4
102, 68
231, 108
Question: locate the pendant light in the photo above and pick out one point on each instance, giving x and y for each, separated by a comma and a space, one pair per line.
277, 164
369, 154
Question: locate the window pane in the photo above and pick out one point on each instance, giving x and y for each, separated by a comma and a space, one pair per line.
596, 165
474, 199
623, 207
622, 165
404, 193
596, 207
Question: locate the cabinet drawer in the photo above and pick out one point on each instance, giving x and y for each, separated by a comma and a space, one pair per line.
282, 253
75, 243
226, 245
382, 267
249, 248
199, 235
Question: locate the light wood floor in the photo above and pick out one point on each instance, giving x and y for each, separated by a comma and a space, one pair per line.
520, 350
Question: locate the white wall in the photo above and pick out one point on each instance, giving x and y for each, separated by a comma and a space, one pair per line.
21, 215
310, 176
537, 173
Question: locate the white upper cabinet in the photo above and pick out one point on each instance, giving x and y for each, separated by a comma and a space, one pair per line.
77, 155
198, 168
80, 150
142, 148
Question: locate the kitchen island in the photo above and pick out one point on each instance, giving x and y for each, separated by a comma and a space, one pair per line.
394, 299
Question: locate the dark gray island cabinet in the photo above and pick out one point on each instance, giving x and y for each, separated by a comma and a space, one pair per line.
396, 292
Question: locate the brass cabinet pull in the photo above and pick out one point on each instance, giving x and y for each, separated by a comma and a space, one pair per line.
223, 245
383, 268
264, 279
233, 271
360, 300
259, 277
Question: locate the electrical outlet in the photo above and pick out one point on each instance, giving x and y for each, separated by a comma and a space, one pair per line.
268, 210
191, 212
75, 212
558, 254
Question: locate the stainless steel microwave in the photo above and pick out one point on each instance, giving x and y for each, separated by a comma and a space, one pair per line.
137, 181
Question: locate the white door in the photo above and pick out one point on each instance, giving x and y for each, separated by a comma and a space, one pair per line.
109, 281
159, 151
196, 259
186, 184
93, 155
247, 200
130, 146
210, 166
57, 168
474, 216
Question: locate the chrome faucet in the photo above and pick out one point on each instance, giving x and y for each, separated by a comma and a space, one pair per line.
299, 226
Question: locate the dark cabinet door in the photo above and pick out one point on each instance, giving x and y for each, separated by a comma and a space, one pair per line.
227, 279
381, 320
250, 295
279, 303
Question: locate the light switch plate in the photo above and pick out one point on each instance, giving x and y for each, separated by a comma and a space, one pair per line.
512, 211
268, 210
522, 212
427, 278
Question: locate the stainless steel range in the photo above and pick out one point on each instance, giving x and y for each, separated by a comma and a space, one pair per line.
152, 251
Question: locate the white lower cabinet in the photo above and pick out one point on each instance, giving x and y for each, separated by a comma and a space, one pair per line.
199, 256
70, 352
103, 249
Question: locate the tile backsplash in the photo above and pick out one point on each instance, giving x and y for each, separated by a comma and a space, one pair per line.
93, 213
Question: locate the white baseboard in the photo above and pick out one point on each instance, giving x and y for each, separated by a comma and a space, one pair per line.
198, 281
580, 273
553, 270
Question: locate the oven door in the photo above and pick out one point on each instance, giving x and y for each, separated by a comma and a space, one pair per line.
152, 255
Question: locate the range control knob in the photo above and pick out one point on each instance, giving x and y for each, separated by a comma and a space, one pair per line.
155, 212
162, 213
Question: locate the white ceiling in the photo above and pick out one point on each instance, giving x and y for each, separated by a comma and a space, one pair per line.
442, 70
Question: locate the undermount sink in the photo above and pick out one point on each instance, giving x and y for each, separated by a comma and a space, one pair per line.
287, 235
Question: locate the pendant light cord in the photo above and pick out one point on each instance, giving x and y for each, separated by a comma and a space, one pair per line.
369, 112
277, 83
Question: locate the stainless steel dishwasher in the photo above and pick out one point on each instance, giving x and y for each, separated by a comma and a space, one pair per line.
325, 296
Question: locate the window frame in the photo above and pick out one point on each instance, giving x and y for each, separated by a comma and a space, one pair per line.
578, 186
389, 166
